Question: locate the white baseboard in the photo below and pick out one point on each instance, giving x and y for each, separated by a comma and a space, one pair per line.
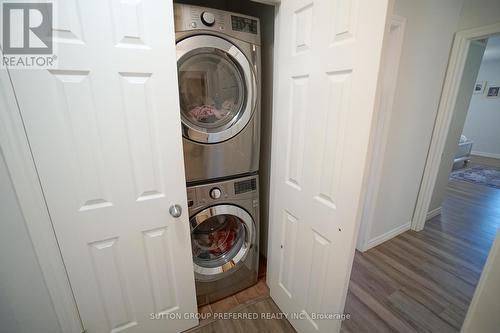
433, 213
483, 154
386, 236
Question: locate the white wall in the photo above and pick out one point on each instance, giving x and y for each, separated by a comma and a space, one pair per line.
393, 44
483, 119
482, 316
25, 304
477, 13
469, 78
428, 37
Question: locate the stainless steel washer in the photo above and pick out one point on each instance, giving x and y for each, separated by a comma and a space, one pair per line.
218, 60
224, 219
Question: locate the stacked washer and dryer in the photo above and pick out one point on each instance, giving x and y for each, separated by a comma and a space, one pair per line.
218, 60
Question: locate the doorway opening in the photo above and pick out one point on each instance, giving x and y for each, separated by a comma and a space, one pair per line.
462, 71
471, 156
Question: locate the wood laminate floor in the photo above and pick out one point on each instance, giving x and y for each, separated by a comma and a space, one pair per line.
424, 282
493, 162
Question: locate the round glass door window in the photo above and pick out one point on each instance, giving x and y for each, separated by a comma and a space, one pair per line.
220, 238
217, 88
212, 89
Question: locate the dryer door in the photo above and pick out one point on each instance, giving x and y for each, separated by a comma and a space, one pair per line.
221, 237
217, 88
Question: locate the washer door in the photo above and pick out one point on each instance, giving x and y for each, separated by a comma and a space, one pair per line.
221, 237
217, 88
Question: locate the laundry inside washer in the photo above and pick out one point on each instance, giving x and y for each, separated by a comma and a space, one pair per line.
216, 240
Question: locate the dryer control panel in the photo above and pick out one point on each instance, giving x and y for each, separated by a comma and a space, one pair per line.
244, 27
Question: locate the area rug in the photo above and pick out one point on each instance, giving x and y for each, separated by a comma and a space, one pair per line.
479, 174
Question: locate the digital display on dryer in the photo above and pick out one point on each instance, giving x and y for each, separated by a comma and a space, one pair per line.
244, 24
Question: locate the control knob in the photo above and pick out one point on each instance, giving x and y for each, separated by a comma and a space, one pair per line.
208, 18
215, 193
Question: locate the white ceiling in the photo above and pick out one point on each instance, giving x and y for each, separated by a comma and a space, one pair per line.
492, 52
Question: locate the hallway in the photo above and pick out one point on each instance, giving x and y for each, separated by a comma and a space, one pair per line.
425, 281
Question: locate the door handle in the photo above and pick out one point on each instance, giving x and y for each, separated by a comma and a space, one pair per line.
175, 210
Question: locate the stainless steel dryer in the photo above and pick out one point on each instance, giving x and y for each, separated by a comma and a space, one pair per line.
224, 218
218, 61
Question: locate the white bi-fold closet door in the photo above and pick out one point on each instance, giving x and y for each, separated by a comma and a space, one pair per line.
104, 129
328, 60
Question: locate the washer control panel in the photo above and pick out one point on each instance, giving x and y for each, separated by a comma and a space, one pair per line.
242, 191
